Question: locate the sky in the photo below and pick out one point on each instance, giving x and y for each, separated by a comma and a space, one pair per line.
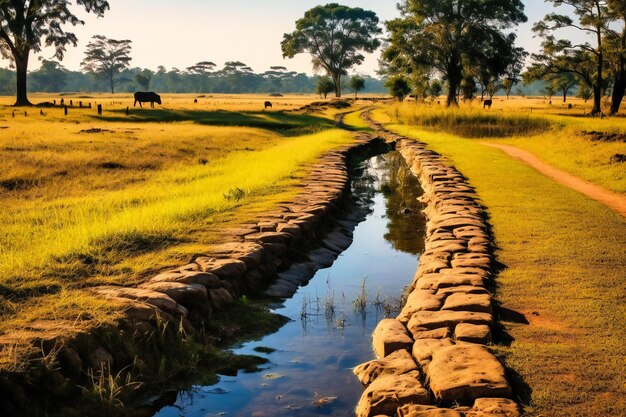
179, 33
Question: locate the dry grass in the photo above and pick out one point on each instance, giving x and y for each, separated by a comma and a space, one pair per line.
565, 259
141, 194
552, 132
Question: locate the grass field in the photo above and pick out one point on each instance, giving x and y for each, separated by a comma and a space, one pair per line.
109, 199
564, 256
552, 132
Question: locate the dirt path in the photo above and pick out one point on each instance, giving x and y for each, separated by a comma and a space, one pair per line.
613, 200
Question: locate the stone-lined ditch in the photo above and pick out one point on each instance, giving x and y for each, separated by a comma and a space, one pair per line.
333, 311
167, 314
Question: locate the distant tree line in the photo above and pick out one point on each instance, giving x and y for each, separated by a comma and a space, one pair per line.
200, 78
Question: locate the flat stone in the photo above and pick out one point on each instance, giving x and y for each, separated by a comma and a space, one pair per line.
226, 269
179, 292
463, 289
473, 333
441, 333
390, 335
414, 410
480, 303
192, 277
221, 298
268, 237
387, 393
420, 300
157, 299
494, 407
463, 373
249, 253
445, 280
423, 349
323, 257
482, 262
446, 318
398, 363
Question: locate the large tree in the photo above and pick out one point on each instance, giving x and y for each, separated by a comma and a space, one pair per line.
616, 44
442, 35
588, 59
335, 36
27, 24
106, 58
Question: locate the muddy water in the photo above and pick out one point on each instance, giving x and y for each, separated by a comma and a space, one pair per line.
310, 358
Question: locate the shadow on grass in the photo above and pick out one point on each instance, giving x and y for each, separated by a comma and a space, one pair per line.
286, 124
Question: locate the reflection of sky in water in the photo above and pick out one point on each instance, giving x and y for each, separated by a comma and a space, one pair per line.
314, 356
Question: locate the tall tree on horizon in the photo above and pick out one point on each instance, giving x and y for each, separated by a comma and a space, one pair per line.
25, 25
335, 36
106, 58
587, 60
443, 36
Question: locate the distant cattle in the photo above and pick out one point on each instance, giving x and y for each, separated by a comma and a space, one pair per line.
487, 103
268, 104
150, 97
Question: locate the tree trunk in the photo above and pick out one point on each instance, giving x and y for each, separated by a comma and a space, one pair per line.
21, 71
337, 83
619, 88
564, 96
455, 75
597, 100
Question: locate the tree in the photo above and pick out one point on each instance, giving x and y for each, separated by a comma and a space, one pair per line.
106, 58
564, 83
399, 87
468, 88
24, 25
584, 92
435, 89
443, 35
616, 45
143, 78
357, 84
549, 91
335, 36
325, 86
51, 77
586, 60
201, 68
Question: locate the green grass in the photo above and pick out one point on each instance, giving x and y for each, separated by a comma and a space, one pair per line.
554, 138
289, 124
146, 216
565, 256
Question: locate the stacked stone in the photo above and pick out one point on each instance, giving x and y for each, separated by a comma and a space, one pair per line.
433, 359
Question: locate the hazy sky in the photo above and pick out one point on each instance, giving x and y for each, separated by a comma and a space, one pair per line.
178, 33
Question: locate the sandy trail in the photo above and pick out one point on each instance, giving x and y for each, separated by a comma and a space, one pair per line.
613, 200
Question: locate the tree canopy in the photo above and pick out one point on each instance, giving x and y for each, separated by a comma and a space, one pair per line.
106, 58
449, 36
26, 25
335, 36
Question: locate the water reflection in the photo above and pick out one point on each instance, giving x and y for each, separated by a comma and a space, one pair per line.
311, 357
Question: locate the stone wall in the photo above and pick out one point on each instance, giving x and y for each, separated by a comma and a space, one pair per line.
433, 359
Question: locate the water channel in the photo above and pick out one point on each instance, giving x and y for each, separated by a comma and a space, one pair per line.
332, 318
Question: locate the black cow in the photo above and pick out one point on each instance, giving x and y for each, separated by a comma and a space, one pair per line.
268, 104
487, 103
142, 97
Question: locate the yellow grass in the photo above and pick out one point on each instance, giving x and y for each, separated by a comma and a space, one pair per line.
552, 132
145, 193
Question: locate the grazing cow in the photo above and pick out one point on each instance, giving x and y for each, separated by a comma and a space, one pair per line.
487, 103
142, 97
268, 104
